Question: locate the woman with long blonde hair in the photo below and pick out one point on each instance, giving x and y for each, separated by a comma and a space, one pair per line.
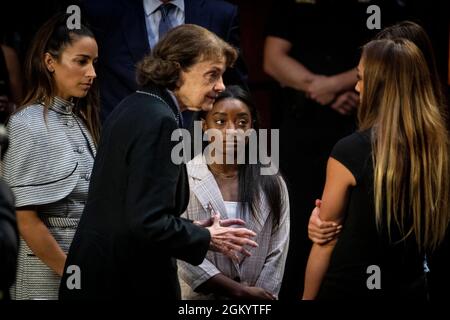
387, 183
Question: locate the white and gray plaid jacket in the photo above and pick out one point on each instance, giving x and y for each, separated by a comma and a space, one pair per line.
264, 268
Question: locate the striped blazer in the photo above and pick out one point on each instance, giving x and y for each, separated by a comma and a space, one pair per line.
264, 268
48, 165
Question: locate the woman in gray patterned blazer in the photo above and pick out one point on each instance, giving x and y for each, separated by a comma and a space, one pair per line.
51, 154
236, 191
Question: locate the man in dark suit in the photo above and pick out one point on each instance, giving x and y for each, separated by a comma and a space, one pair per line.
130, 231
122, 29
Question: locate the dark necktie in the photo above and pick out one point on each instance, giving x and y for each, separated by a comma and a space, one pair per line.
164, 23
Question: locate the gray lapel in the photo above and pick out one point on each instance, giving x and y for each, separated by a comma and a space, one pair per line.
207, 191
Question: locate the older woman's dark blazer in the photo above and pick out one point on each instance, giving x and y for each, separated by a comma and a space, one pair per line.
130, 231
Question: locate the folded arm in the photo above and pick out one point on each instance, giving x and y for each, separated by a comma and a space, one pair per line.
334, 201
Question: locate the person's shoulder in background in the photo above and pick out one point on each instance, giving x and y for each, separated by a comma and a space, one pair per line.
9, 240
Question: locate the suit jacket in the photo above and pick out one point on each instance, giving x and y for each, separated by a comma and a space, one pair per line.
130, 230
121, 33
9, 240
264, 268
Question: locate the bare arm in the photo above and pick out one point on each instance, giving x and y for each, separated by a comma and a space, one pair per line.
334, 200
346, 80
286, 70
291, 73
41, 242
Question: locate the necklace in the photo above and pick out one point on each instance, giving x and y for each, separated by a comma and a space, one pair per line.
223, 175
176, 116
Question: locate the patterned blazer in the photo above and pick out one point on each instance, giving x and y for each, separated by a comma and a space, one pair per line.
46, 158
48, 165
264, 268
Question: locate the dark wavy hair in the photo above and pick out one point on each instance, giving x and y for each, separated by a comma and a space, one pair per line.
53, 37
251, 182
179, 49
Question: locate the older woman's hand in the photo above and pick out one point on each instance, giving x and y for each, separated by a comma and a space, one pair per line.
223, 222
321, 232
229, 241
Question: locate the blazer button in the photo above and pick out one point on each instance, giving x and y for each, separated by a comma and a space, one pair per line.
87, 176
69, 124
80, 150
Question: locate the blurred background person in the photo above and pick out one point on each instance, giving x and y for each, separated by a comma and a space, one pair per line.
311, 49
127, 30
10, 81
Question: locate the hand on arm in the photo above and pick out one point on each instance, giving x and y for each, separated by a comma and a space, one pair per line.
321, 232
292, 73
40, 241
324, 89
283, 68
334, 200
346, 102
